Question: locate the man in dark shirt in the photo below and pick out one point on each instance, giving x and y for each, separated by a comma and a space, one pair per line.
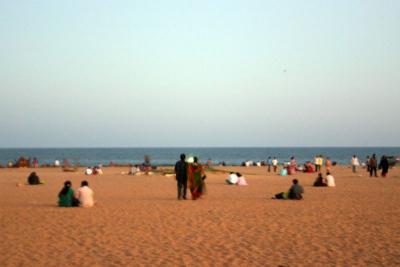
296, 190
181, 176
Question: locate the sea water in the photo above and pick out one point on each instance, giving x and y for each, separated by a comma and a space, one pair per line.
168, 156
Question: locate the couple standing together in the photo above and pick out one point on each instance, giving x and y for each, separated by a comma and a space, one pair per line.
190, 175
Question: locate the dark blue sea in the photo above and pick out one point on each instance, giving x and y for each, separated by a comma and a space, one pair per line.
168, 156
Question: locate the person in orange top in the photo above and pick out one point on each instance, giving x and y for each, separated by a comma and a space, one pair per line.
328, 164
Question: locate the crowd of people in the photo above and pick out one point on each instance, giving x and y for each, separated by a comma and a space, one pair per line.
190, 174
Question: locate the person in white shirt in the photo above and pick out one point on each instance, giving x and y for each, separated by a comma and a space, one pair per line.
330, 180
232, 179
354, 163
275, 164
89, 171
85, 195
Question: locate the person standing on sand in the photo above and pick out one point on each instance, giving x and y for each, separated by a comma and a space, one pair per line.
373, 163
316, 163
292, 166
181, 169
328, 164
354, 163
275, 164
269, 163
196, 177
384, 165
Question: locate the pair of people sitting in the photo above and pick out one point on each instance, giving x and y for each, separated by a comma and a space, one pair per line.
82, 197
329, 181
236, 179
33, 179
295, 192
93, 171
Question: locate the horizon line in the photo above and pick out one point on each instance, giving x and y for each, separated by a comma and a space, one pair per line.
168, 147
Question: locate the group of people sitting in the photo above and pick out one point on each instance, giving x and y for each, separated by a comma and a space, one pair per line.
83, 196
94, 170
236, 179
328, 181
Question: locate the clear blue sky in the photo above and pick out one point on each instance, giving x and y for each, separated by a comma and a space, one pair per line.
199, 73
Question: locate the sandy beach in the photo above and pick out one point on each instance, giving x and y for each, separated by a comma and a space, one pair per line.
139, 222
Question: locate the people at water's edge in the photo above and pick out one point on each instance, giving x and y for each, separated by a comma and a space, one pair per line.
181, 171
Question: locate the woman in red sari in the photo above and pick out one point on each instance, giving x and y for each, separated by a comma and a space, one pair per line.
196, 178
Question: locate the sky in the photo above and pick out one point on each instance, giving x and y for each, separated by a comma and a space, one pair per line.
199, 73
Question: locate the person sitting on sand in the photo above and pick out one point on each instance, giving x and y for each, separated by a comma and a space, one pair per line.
88, 171
320, 181
232, 179
295, 192
284, 171
308, 167
135, 170
33, 179
66, 196
85, 195
241, 179
330, 180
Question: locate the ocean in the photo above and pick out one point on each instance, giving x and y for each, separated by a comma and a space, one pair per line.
168, 156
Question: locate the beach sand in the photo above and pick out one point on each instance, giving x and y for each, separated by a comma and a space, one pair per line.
139, 222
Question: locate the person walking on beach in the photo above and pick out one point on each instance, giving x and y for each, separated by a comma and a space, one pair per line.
196, 177
384, 165
275, 164
373, 163
354, 163
181, 169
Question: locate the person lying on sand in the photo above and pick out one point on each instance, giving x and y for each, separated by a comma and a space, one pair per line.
295, 192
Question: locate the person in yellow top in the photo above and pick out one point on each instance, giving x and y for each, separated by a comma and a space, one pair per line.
320, 162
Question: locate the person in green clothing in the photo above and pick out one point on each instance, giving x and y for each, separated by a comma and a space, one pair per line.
66, 196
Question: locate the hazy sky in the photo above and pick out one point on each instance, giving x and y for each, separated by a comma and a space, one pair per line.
199, 73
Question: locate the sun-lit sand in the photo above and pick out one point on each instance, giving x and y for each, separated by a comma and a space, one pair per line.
139, 222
